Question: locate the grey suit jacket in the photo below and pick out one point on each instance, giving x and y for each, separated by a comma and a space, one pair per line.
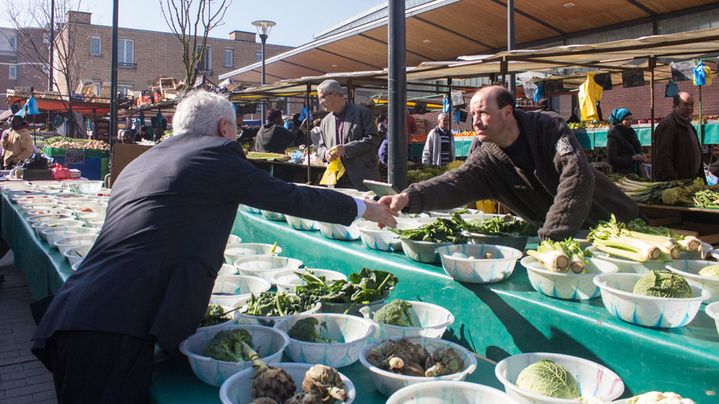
361, 141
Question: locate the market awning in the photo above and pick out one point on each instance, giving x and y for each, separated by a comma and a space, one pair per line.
442, 29
60, 105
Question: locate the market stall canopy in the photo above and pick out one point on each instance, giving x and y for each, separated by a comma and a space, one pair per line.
625, 54
443, 29
60, 105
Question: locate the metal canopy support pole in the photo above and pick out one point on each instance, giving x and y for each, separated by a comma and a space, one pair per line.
113, 76
652, 65
503, 71
263, 38
397, 86
510, 43
309, 137
449, 94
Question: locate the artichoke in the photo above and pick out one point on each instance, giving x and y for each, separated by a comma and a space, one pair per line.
548, 379
443, 361
304, 398
711, 271
325, 382
399, 356
263, 400
662, 284
269, 382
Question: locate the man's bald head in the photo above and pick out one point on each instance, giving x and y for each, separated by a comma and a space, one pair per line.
492, 110
683, 104
498, 95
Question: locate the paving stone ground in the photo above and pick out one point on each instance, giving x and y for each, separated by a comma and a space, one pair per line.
23, 379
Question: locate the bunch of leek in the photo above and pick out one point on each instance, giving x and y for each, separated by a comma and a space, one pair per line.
560, 256
621, 240
684, 242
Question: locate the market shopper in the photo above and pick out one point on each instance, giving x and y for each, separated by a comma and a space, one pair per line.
273, 137
439, 147
624, 152
348, 133
677, 151
149, 275
529, 162
17, 145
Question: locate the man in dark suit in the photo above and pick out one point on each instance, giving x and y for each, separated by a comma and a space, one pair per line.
149, 276
348, 133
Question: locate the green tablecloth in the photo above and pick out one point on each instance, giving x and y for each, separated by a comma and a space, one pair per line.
594, 138
493, 320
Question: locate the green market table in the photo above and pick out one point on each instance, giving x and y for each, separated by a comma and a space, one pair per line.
597, 137
493, 320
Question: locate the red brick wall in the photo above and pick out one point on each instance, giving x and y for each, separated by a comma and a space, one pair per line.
638, 101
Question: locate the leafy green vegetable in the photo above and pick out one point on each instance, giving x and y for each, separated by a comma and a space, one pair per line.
268, 304
506, 224
363, 287
549, 379
440, 231
307, 329
227, 345
706, 199
215, 314
397, 312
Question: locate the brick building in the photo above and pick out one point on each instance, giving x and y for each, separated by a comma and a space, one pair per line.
145, 56
20, 66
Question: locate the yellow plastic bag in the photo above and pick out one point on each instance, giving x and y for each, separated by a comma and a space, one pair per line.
334, 171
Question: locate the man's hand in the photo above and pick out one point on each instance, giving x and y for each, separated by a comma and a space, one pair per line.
335, 152
638, 157
379, 213
395, 202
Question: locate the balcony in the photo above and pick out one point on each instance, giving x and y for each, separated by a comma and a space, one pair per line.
125, 65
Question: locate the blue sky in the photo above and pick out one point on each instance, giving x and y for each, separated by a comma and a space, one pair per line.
297, 20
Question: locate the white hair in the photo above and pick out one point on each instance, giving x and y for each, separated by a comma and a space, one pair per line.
329, 87
441, 115
200, 112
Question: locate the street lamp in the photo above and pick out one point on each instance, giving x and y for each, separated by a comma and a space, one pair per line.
263, 29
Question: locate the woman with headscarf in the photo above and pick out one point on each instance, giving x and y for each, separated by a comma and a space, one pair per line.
624, 151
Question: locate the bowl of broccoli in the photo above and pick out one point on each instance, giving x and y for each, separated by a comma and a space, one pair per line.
216, 353
334, 340
401, 318
554, 378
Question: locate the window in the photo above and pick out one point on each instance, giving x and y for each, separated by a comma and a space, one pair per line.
95, 46
13, 42
258, 56
12, 72
229, 57
206, 63
125, 52
123, 88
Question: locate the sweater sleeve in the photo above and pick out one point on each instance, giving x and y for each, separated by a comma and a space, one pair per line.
575, 192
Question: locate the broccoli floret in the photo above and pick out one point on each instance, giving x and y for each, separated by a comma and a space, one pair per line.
307, 330
397, 312
227, 345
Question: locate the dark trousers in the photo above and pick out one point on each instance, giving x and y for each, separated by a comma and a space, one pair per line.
95, 367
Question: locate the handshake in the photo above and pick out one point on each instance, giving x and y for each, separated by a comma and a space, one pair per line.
386, 209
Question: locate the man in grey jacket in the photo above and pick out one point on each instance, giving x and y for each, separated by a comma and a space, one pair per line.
439, 148
348, 132
528, 161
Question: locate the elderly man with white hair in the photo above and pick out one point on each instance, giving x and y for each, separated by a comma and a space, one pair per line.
348, 132
149, 275
439, 147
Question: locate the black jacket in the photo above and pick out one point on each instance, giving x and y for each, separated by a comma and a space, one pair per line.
567, 193
622, 145
273, 138
152, 268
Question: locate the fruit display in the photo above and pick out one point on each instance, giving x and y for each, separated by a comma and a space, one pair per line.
466, 133
549, 379
70, 143
414, 139
407, 358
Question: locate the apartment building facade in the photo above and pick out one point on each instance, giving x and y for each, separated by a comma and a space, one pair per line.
20, 65
145, 56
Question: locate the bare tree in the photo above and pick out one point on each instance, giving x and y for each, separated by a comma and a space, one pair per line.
191, 22
32, 21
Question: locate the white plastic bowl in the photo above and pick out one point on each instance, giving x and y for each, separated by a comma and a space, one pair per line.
227, 269
648, 311
45, 218
712, 311
237, 389
339, 232
268, 342
348, 333
87, 217
56, 224
441, 392
267, 321
246, 249
76, 240
48, 210
299, 223
378, 239
629, 266
458, 263
433, 320
277, 217
230, 289
76, 265
287, 280
388, 383
76, 255
689, 269
233, 241
87, 187
96, 223
422, 251
567, 285
594, 380
265, 266
55, 233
